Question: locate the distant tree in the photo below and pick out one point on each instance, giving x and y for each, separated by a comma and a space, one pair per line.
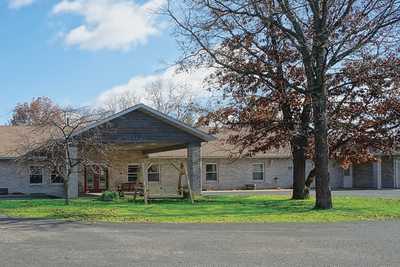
51, 142
174, 100
167, 97
121, 101
32, 112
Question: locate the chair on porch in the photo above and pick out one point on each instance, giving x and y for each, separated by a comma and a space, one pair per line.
135, 188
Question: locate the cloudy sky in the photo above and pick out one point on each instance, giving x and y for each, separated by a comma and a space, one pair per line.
81, 51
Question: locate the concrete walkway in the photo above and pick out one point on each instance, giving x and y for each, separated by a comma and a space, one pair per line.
39, 243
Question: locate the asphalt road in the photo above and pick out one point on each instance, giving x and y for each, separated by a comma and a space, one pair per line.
51, 243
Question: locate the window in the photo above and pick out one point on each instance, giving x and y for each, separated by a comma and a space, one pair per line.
36, 175
55, 178
258, 171
133, 172
347, 172
211, 172
153, 173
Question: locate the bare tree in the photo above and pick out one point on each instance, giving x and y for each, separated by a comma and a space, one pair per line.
59, 147
174, 100
121, 101
167, 97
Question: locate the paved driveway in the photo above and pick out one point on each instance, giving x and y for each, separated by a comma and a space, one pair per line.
389, 193
51, 243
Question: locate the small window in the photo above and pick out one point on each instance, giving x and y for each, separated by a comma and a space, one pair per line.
133, 173
211, 172
36, 175
153, 173
347, 172
258, 171
55, 178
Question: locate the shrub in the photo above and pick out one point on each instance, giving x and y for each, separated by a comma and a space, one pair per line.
109, 196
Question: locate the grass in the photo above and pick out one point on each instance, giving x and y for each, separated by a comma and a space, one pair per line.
209, 209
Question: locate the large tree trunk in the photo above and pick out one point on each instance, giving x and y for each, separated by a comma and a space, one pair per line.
323, 193
299, 167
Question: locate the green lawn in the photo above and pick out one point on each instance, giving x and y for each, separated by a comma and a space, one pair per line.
212, 209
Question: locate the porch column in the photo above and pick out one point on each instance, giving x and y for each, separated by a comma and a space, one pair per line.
74, 177
194, 167
377, 171
396, 172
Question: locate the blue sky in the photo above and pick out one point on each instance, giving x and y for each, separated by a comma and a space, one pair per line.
74, 51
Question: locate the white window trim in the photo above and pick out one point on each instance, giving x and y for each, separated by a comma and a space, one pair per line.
216, 172
127, 171
263, 172
29, 175
159, 173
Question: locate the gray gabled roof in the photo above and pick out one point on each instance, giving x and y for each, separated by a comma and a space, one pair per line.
163, 117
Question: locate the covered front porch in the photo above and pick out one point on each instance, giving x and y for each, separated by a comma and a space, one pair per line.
130, 169
132, 136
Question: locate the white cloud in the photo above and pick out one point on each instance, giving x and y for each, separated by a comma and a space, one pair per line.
191, 82
110, 24
15, 4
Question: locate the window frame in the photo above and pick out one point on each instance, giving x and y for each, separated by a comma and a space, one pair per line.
159, 173
51, 179
216, 172
253, 171
30, 174
348, 172
138, 173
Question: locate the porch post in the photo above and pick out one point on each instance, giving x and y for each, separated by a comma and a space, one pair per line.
145, 184
377, 170
396, 172
74, 177
194, 167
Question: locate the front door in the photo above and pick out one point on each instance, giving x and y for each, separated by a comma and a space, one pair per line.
96, 179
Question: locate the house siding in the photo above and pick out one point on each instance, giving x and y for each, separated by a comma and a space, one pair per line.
237, 174
15, 178
231, 174
388, 179
363, 176
139, 127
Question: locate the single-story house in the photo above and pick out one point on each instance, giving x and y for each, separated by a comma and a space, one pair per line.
150, 145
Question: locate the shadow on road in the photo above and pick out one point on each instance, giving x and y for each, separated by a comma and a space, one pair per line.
7, 223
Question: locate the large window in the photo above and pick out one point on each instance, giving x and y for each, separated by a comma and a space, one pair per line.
133, 172
211, 172
258, 171
55, 178
36, 175
153, 173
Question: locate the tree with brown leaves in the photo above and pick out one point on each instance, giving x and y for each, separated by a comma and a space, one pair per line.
327, 35
32, 112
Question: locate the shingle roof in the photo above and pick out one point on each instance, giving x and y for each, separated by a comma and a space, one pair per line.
220, 149
12, 140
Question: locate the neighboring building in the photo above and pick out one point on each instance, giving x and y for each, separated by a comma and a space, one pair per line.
151, 145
